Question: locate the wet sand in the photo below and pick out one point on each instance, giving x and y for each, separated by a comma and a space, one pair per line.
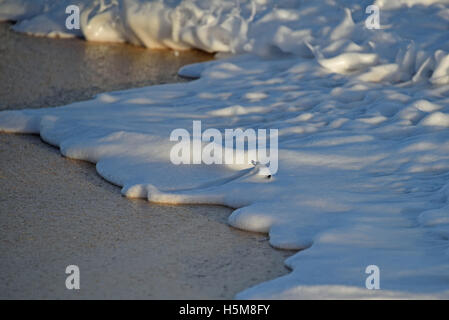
55, 211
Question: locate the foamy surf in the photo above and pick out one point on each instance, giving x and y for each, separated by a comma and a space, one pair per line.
362, 118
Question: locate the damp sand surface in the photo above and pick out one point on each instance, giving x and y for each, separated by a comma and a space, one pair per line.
56, 212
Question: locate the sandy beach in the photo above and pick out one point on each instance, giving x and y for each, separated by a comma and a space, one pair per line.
309, 158
55, 211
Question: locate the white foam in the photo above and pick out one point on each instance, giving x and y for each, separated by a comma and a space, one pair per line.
363, 140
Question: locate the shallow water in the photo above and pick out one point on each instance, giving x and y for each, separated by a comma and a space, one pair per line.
55, 211
41, 72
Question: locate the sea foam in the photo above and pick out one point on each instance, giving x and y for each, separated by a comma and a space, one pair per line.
362, 116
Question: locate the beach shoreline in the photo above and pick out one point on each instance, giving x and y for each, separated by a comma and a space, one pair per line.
56, 211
